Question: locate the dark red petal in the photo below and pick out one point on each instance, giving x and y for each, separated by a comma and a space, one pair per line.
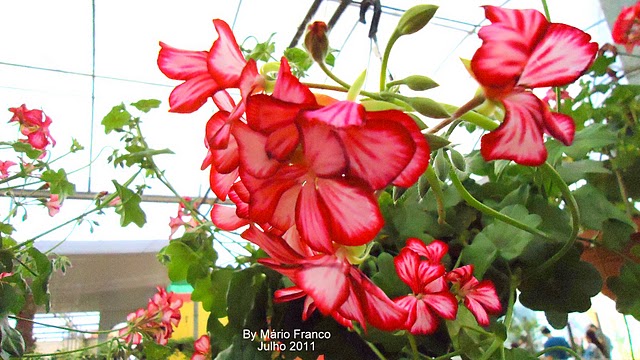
560, 58
322, 149
406, 264
181, 64
408, 303
253, 156
355, 218
212, 130
339, 114
241, 191
284, 215
443, 304
288, 88
461, 274
425, 323
192, 94
560, 126
477, 310
519, 137
267, 114
429, 276
311, 220
379, 310
436, 250
224, 217
485, 293
274, 246
266, 193
324, 278
282, 142
378, 151
226, 160
221, 183
225, 60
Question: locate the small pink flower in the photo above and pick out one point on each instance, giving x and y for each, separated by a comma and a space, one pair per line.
4, 168
34, 124
551, 98
5, 274
53, 204
626, 29
157, 320
480, 297
202, 348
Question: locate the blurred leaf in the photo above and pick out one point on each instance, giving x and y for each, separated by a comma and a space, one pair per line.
592, 137
146, 105
518, 354
509, 240
574, 171
436, 142
627, 287
58, 183
595, 208
9, 298
130, 211
23, 147
153, 350
212, 292
481, 253
244, 287
557, 319
11, 341
616, 234
6, 228
179, 257
116, 119
40, 284
243, 350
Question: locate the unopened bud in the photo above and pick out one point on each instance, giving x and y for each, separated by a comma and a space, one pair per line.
419, 82
427, 107
316, 41
458, 160
415, 19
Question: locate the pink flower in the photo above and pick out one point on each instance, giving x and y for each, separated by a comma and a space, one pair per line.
53, 204
551, 99
34, 124
175, 223
204, 72
4, 168
480, 297
156, 321
329, 282
626, 29
202, 348
431, 297
5, 274
521, 50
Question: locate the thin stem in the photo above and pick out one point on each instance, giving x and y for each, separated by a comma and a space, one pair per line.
472, 117
449, 355
497, 343
458, 113
624, 193
56, 354
434, 182
474, 203
508, 317
385, 60
546, 10
370, 345
562, 348
571, 203
333, 76
414, 346
626, 324
62, 327
325, 87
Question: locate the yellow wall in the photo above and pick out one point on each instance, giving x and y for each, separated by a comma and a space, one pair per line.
186, 329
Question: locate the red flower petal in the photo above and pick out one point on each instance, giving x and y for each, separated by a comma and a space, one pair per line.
250, 80
444, 304
181, 64
225, 58
288, 88
274, 246
265, 193
563, 54
339, 114
224, 217
284, 215
282, 142
406, 264
324, 278
519, 137
311, 220
267, 114
477, 310
288, 294
426, 322
351, 309
253, 156
322, 149
485, 294
378, 152
355, 218
560, 126
192, 94
224, 101
379, 310
221, 183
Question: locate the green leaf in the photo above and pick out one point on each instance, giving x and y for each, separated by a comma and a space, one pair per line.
116, 119
593, 137
387, 278
6, 228
481, 253
518, 354
243, 350
509, 240
137, 155
467, 335
557, 319
212, 292
179, 257
40, 284
9, 298
6, 261
11, 341
354, 90
146, 105
616, 234
627, 287
130, 211
153, 350
241, 297
26, 148
58, 183
75, 146
595, 208
574, 171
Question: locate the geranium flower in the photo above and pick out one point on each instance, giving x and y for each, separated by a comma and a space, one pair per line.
329, 282
4, 168
34, 124
431, 297
551, 97
626, 29
521, 50
480, 297
175, 223
53, 204
204, 72
156, 321
202, 348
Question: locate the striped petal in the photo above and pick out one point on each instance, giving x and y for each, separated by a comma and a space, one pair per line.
225, 60
281, 143
288, 88
192, 94
224, 217
340, 114
311, 220
253, 156
519, 137
560, 126
181, 64
322, 149
221, 183
444, 304
324, 278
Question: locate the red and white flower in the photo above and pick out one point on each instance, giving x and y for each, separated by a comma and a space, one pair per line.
202, 348
480, 297
521, 50
156, 321
34, 124
4, 168
626, 29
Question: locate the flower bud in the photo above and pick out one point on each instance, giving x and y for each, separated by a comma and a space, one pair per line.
316, 41
458, 160
419, 83
415, 19
427, 107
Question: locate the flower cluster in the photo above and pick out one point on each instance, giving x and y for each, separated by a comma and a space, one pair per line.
34, 124
420, 267
202, 348
156, 321
626, 29
183, 219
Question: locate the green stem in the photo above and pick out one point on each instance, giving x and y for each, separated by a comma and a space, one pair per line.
458, 113
629, 336
474, 203
414, 346
57, 354
562, 348
385, 60
571, 203
497, 343
370, 345
449, 355
62, 327
434, 182
508, 317
325, 87
333, 76
546, 10
473, 117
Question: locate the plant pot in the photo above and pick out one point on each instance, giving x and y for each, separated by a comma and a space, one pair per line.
607, 262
